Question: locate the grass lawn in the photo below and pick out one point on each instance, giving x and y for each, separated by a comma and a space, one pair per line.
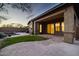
28, 38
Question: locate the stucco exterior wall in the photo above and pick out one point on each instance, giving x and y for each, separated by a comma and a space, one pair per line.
30, 27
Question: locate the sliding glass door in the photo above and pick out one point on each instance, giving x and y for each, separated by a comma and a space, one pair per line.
50, 28
58, 28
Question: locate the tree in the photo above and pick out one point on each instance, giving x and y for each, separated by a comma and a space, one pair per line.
25, 7
2, 18
19, 25
2, 9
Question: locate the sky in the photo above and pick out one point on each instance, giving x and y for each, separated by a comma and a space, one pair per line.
18, 16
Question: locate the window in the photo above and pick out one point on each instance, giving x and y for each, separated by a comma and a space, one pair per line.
57, 25
40, 28
63, 26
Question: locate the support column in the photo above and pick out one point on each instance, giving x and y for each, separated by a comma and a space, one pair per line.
69, 24
36, 28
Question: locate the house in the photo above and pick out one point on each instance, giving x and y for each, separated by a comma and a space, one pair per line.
59, 20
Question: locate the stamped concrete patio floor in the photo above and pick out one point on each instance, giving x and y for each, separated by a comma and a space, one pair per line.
51, 47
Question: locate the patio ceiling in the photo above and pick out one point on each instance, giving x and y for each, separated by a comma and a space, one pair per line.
51, 18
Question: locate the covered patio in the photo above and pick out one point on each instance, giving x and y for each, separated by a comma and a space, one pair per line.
51, 25
60, 22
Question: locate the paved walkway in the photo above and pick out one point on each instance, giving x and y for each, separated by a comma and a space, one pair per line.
50, 47
53, 37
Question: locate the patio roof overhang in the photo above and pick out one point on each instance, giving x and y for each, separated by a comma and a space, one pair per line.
47, 12
53, 16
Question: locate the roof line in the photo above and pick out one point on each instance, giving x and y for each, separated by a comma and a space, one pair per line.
55, 7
